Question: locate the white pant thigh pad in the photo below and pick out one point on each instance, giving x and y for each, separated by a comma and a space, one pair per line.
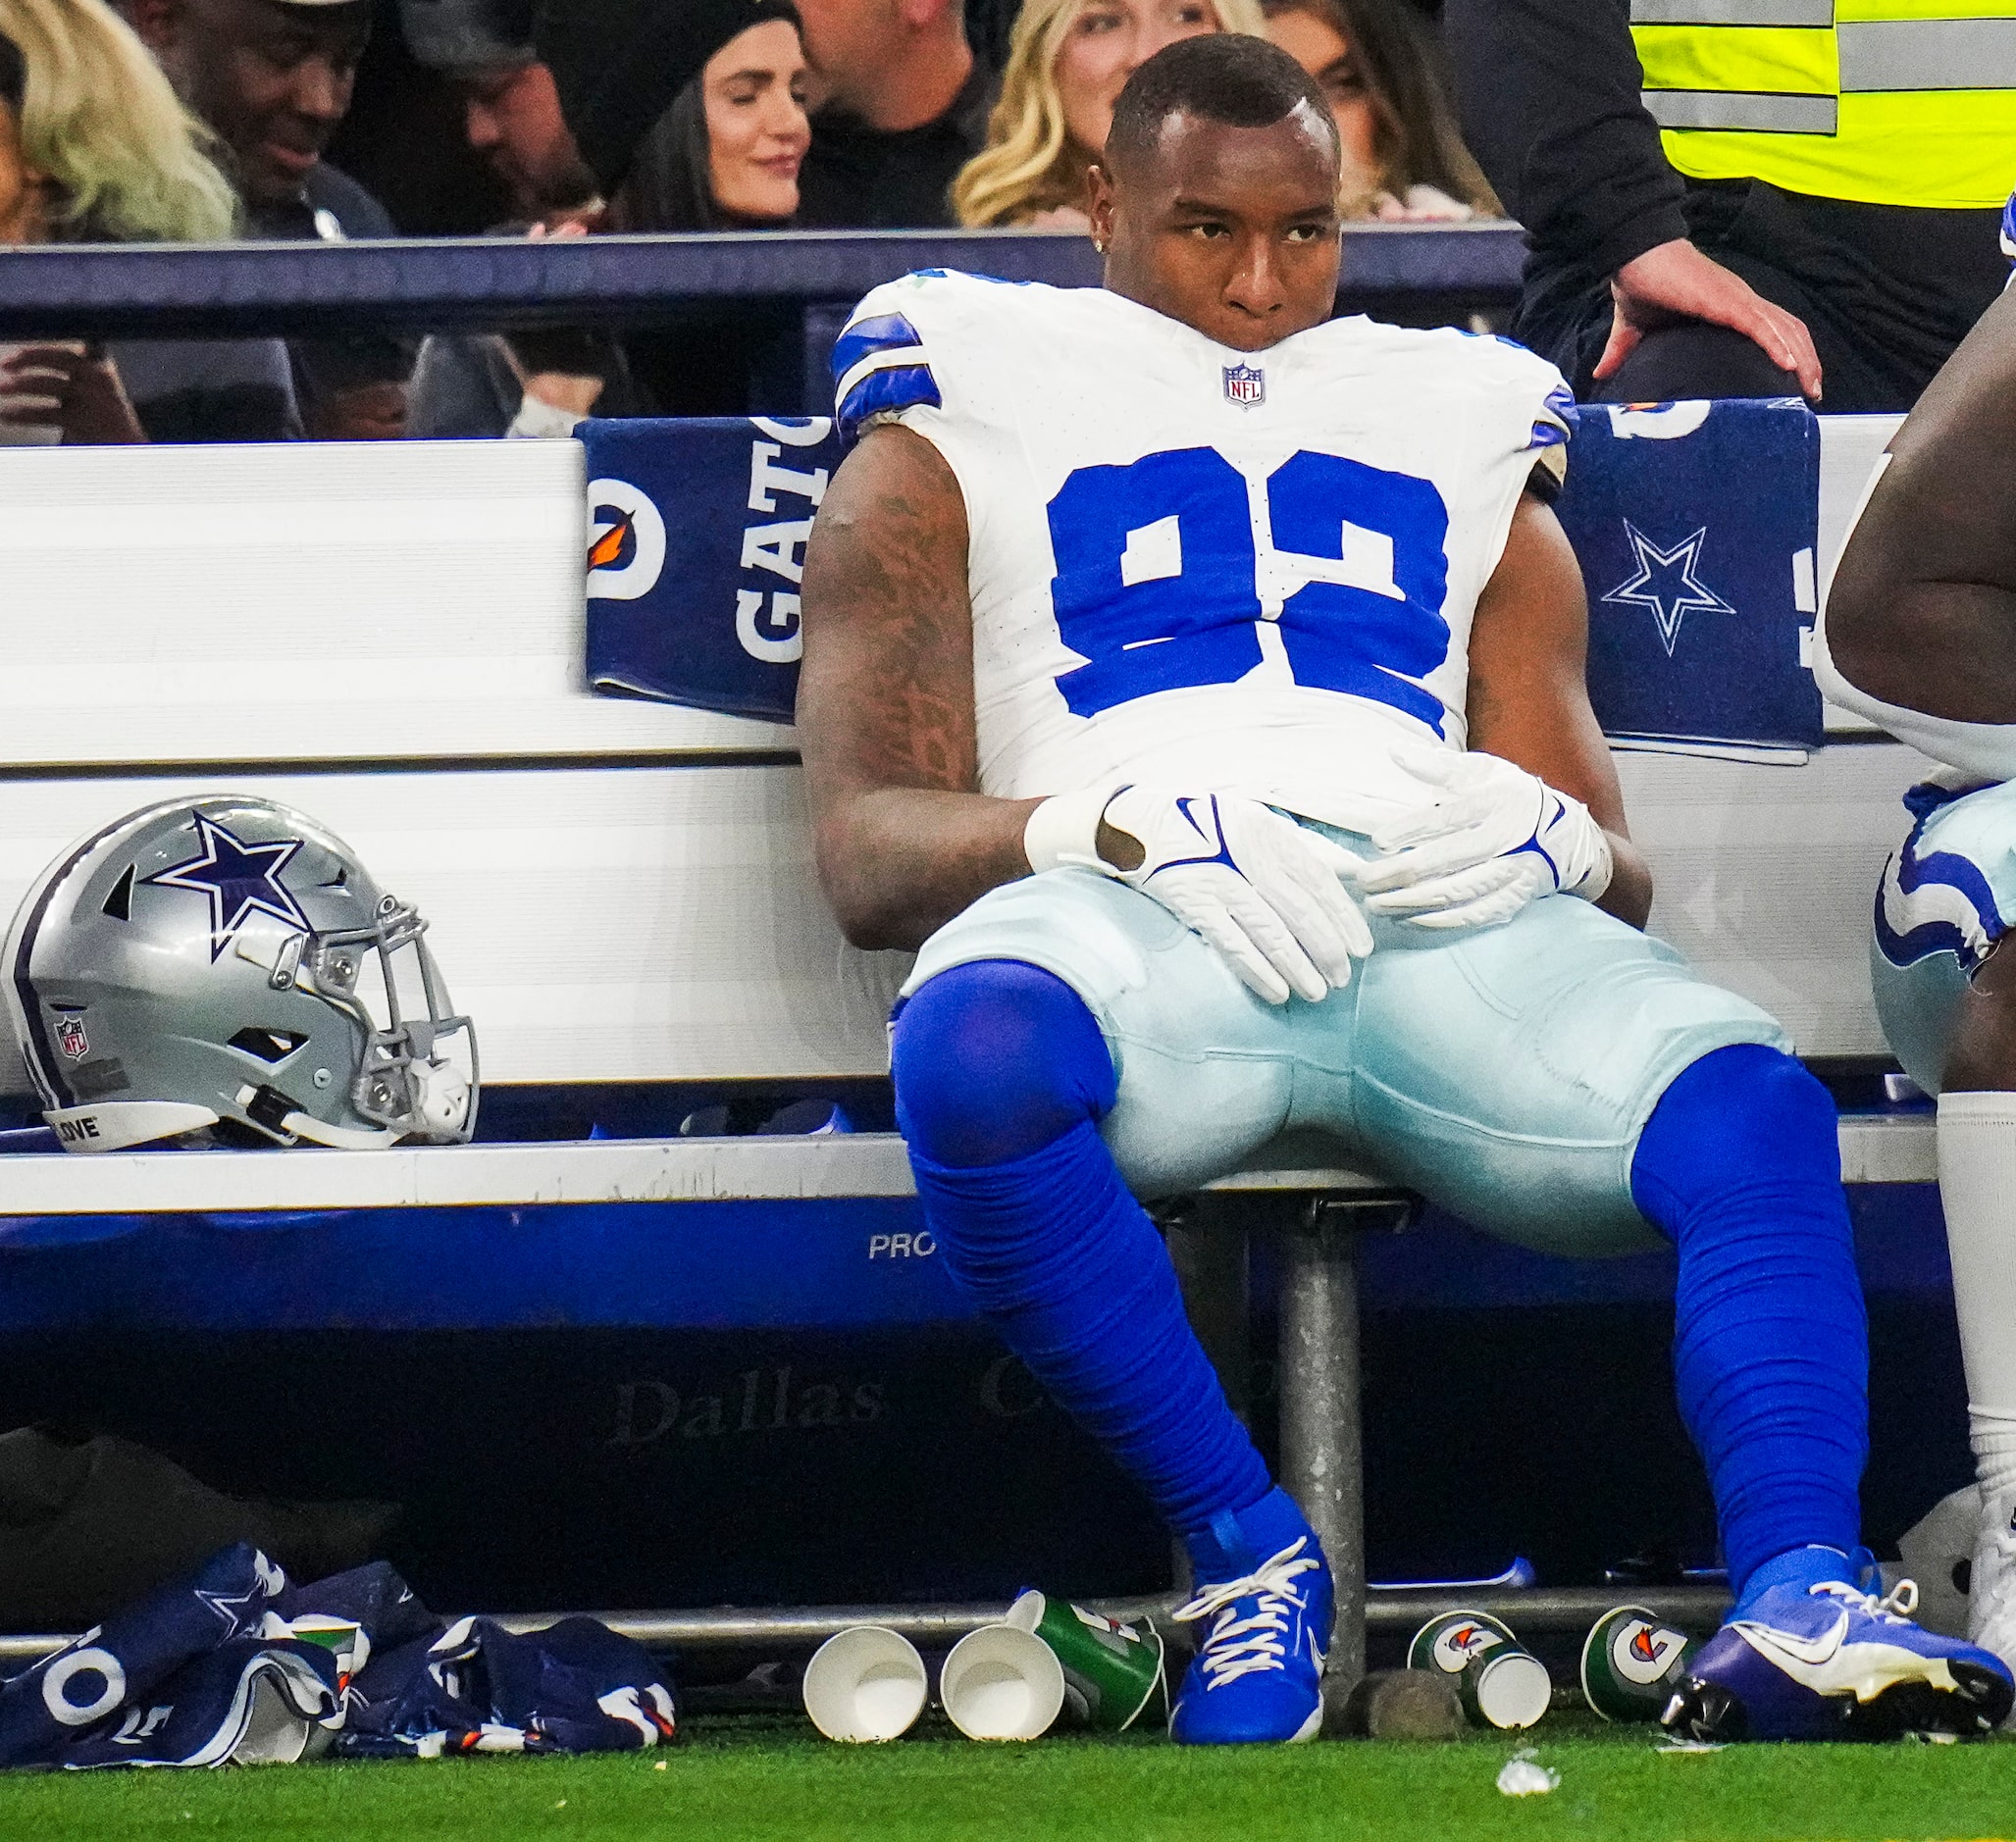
1984, 748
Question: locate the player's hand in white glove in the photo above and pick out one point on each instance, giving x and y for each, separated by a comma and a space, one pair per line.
1492, 838
1264, 890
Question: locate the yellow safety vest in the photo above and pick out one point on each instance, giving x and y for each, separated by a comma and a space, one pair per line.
1887, 102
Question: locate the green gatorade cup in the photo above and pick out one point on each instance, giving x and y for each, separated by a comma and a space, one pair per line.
1449, 1640
1632, 1663
1498, 1683
344, 1639
1112, 1671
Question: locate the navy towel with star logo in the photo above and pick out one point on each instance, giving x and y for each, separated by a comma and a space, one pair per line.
1696, 526
79, 1694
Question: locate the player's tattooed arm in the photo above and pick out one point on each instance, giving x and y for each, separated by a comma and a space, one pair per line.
885, 701
1529, 697
1922, 608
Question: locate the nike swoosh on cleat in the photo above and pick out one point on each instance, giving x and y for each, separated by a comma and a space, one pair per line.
1781, 1647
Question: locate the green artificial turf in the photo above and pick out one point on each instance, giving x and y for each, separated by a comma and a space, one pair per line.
769, 1780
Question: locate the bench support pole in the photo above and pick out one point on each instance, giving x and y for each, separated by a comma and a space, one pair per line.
1322, 1460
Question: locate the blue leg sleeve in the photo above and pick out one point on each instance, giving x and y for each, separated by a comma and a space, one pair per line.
1001, 1078
1740, 1165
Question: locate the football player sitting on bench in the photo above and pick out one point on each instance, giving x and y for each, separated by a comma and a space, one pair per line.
1197, 681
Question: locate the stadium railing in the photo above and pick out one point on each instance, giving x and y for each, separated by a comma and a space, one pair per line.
1425, 274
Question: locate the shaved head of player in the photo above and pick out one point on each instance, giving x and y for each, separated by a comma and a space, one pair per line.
1195, 681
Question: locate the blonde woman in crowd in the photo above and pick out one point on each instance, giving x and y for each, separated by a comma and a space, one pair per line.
102, 151
94, 147
1066, 65
1379, 65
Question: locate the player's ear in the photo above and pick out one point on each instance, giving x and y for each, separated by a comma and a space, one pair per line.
1099, 205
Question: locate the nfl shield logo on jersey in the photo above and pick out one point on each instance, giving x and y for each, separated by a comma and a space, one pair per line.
1246, 385
72, 1039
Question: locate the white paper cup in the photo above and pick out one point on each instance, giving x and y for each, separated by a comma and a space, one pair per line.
276, 1732
1512, 1690
865, 1683
1001, 1682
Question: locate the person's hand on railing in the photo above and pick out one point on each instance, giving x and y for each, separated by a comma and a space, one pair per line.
361, 412
65, 384
1676, 281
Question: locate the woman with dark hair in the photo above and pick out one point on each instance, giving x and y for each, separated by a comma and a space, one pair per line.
725, 156
1379, 65
722, 153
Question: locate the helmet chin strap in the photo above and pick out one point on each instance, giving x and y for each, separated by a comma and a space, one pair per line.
272, 1111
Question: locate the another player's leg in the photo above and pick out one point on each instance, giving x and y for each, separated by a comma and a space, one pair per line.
1946, 987
1002, 1078
1740, 1165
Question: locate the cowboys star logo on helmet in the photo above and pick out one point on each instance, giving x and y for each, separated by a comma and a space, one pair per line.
228, 967
240, 880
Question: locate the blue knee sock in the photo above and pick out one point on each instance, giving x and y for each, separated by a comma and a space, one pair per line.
1001, 1078
1739, 1163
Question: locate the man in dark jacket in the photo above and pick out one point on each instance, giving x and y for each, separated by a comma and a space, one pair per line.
274, 79
1742, 197
906, 106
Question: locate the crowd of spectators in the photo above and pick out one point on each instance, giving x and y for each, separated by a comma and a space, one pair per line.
1659, 266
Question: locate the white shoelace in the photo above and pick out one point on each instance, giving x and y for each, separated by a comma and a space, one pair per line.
1237, 1645
1898, 1604
1994, 1592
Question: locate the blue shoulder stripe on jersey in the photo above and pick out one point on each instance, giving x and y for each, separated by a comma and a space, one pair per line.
884, 333
898, 386
1561, 402
2009, 227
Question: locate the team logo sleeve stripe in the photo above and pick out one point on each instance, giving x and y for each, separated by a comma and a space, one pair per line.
877, 391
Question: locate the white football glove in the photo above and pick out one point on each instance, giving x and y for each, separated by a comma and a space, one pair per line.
1493, 839
1260, 887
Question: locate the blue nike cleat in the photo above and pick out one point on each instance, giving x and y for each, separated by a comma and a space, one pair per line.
1830, 1662
1265, 1590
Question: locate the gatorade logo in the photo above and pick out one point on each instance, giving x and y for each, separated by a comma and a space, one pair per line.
1643, 1652
1454, 1647
1108, 1633
1657, 422
626, 553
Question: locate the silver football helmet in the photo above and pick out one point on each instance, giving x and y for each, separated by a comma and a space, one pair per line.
227, 966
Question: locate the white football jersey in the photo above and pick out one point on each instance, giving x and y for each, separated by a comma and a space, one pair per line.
1205, 568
